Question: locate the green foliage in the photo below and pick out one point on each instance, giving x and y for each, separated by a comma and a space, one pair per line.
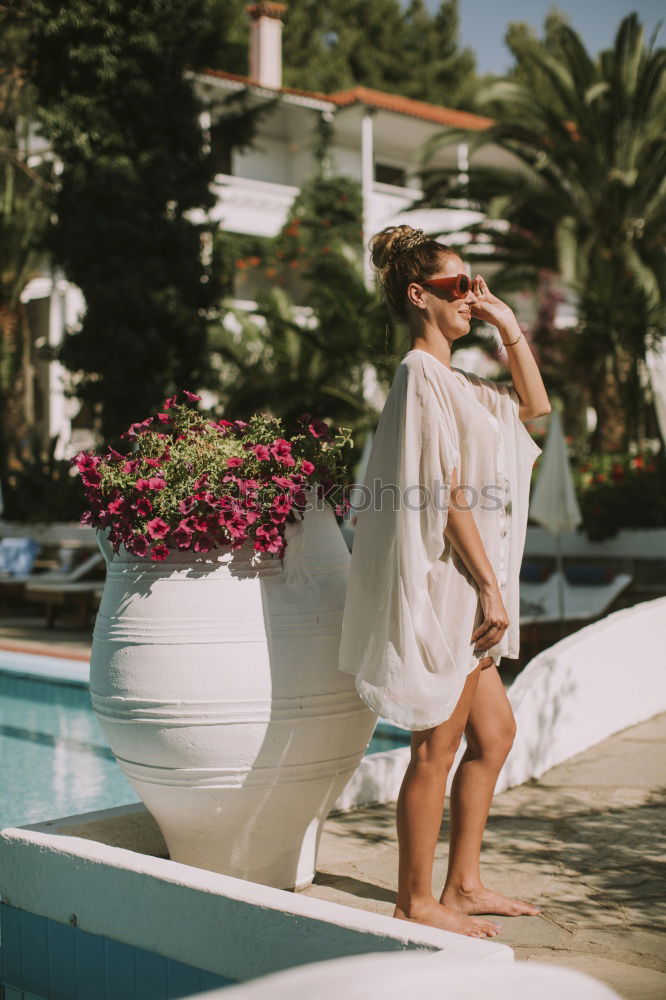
42, 488
585, 197
312, 358
345, 43
122, 118
525, 46
621, 491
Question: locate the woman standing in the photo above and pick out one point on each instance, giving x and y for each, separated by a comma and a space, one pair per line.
432, 602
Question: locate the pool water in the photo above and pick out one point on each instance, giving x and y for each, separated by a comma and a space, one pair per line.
54, 758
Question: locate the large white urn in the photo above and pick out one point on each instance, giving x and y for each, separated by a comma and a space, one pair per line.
215, 680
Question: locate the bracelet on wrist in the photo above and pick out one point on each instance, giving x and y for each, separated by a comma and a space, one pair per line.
512, 342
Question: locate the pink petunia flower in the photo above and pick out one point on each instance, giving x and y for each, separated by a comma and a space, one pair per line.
281, 451
170, 402
85, 460
158, 553
191, 397
187, 505
137, 428
182, 536
137, 545
203, 543
205, 496
234, 462
319, 428
143, 506
268, 538
287, 484
282, 504
262, 452
157, 528
154, 483
307, 467
91, 477
118, 506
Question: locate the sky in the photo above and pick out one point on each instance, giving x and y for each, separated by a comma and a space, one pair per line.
483, 23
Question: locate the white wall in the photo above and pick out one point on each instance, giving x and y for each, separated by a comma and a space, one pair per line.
604, 678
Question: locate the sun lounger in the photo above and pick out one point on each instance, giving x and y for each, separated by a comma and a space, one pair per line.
56, 588
539, 602
57, 575
85, 597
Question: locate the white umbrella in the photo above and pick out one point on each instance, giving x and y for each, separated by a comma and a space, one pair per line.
553, 502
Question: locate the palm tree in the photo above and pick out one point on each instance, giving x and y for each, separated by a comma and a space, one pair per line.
582, 193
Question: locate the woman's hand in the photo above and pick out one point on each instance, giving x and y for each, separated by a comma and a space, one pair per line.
488, 307
495, 619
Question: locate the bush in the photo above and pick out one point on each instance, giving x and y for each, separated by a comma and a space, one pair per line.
621, 491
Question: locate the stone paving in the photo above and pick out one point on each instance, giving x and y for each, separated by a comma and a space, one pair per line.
587, 842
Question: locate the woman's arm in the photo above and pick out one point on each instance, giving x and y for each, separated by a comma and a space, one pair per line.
462, 532
525, 373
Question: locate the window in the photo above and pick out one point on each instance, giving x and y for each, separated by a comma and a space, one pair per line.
386, 174
221, 149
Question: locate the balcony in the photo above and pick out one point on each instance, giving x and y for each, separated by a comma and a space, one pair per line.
256, 208
260, 208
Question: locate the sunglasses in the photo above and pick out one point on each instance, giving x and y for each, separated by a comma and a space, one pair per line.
458, 284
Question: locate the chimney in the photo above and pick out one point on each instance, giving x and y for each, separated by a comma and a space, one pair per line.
266, 42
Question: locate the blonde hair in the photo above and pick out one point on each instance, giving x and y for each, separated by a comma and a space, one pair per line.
400, 255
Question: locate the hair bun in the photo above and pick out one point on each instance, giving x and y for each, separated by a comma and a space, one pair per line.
393, 240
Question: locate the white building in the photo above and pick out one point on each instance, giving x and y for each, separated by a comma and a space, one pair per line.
377, 139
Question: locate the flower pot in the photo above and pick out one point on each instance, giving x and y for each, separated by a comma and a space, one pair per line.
215, 681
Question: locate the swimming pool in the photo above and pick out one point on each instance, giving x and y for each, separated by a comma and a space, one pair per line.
54, 759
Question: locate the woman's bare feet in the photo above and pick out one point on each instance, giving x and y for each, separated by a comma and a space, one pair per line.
437, 915
482, 900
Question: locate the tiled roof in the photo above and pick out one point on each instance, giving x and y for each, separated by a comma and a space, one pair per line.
378, 99
408, 106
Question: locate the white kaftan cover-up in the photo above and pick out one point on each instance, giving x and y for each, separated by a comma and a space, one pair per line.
411, 604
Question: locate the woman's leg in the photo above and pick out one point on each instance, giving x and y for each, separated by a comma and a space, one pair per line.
419, 817
490, 732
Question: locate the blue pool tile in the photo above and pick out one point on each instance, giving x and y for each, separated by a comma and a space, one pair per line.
182, 980
10, 951
89, 966
120, 977
151, 981
62, 961
34, 954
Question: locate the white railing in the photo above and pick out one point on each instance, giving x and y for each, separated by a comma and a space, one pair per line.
260, 208
244, 205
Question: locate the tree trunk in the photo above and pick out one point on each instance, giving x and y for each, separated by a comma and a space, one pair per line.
12, 412
610, 433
